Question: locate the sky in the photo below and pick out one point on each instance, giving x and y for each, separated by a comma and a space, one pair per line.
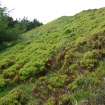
48, 10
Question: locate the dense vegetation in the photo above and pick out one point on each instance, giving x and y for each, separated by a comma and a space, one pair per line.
60, 63
11, 29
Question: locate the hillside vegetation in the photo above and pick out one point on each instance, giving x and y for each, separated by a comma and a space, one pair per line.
60, 63
11, 29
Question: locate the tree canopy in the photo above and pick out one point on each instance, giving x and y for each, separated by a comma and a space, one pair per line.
10, 29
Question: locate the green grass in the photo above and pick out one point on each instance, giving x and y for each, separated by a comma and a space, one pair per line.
60, 58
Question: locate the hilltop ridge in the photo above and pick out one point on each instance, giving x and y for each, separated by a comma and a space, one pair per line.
59, 63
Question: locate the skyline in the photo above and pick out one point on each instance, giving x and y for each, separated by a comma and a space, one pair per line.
48, 10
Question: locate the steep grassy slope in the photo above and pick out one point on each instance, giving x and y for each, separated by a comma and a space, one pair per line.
60, 63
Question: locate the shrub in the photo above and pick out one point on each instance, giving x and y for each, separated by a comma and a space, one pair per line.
2, 84
89, 60
33, 70
9, 74
57, 81
66, 99
6, 63
70, 58
67, 31
74, 68
11, 29
27, 72
99, 97
50, 101
97, 41
85, 82
15, 97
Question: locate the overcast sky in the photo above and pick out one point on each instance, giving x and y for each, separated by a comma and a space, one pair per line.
47, 10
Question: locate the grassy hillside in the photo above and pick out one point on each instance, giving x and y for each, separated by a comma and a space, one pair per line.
60, 63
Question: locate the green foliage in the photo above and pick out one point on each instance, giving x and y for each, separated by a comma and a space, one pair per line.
59, 63
74, 68
50, 102
89, 60
11, 29
26, 73
67, 100
57, 80
2, 84
9, 73
85, 82
6, 33
28, 25
15, 97
98, 97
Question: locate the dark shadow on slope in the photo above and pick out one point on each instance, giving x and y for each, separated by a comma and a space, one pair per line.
4, 46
